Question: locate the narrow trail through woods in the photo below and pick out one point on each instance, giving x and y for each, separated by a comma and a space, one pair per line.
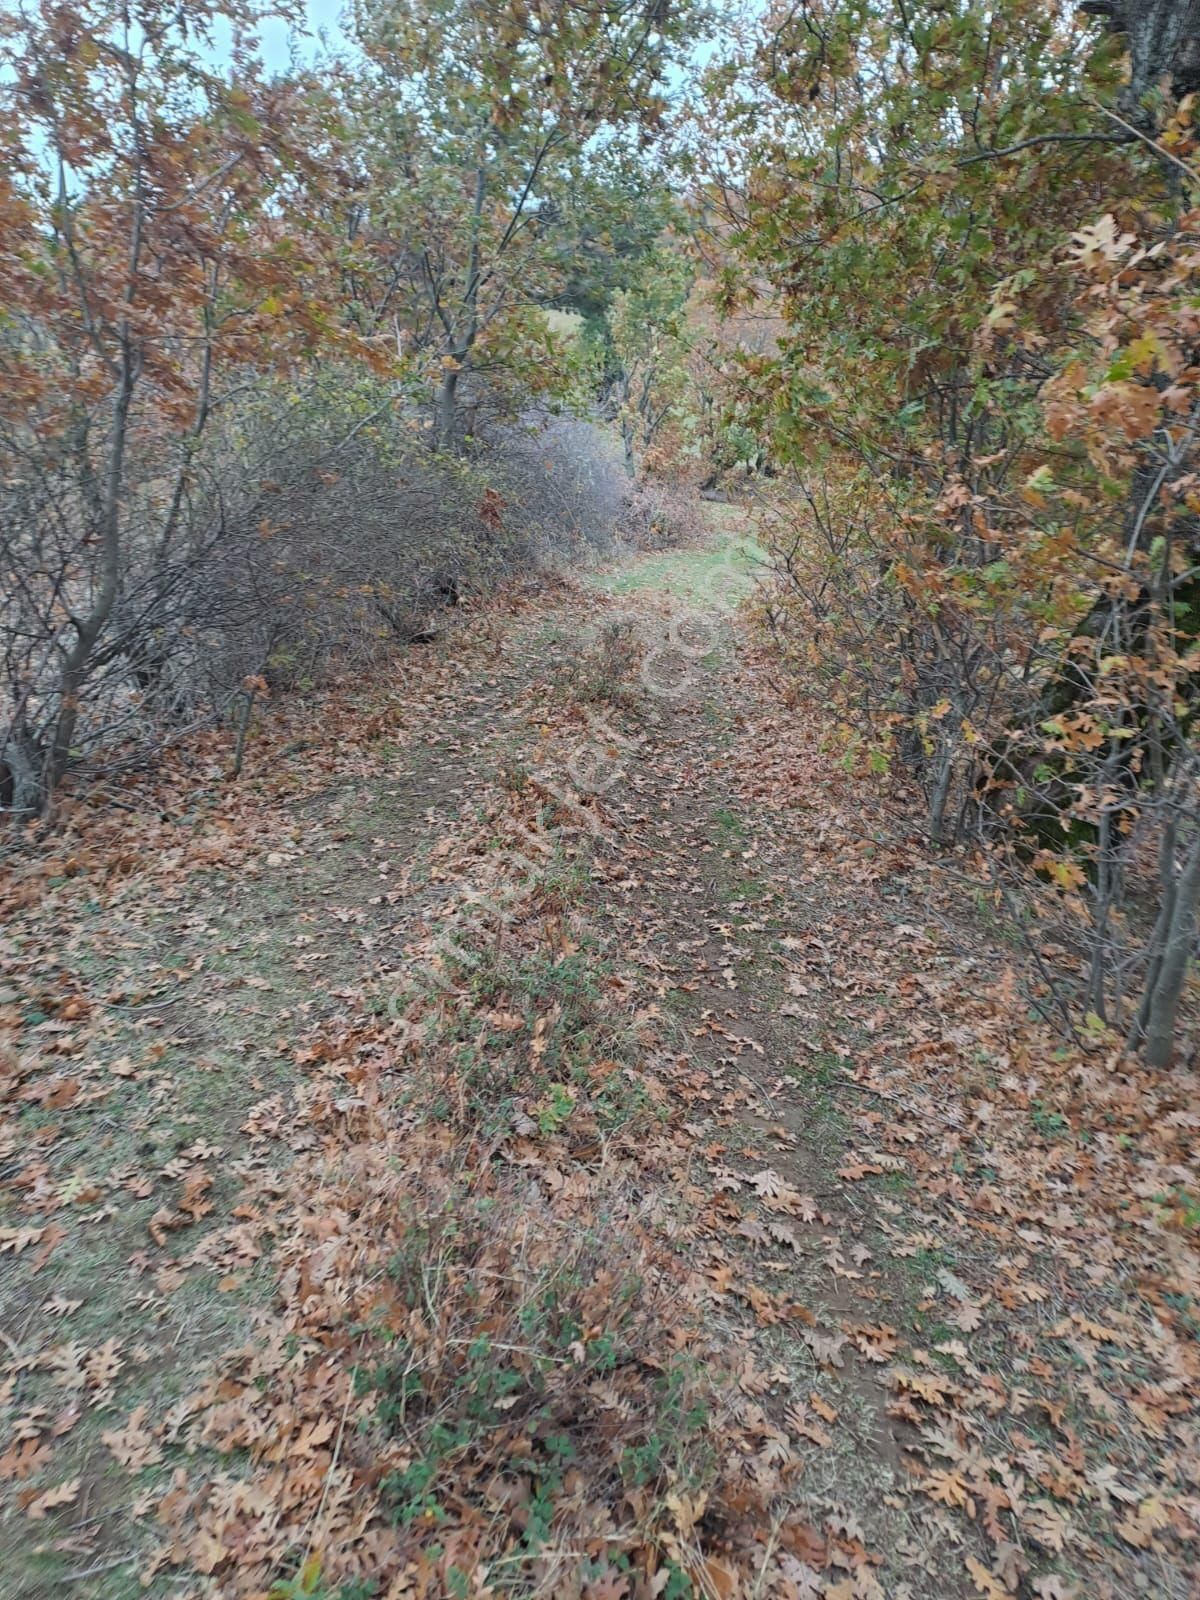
568, 952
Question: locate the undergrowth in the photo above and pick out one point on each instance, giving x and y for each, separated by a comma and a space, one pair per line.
482, 1345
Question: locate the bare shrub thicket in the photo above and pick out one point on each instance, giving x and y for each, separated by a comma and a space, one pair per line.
562, 476
347, 532
312, 529
660, 514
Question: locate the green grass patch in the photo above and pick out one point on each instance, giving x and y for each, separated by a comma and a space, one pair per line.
719, 574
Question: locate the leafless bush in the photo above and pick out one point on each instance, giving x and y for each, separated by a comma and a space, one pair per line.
659, 515
341, 540
603, 672
562, 476
310, 529
349, 547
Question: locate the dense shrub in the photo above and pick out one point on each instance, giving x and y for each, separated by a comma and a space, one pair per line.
317, 529
237, 306
982, 412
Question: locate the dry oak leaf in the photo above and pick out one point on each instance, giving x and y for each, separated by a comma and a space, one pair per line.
1046, 1525
1008, 1563
780, 1195
823, 1408
854, 1170
826, 1348
102, 1365
768, 1183
312, 1435
805, 1582
687, 1510
23, 1459
18, 1239
609, 1585
720, 1581
58, 1094
950, 1489
798, 1419
1093, 245
192, 1200
163, 1220
134, 1445
59, 1306
933, 1391
878, 1344
721, 1277
65, 1420
1132, 407
1139, 1528
62, 1494
987, 1583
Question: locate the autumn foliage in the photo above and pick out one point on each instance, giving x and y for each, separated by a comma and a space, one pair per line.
228, 290
148, 276
982, 410
534, 1077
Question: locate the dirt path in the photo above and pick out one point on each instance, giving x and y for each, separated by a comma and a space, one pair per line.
997, 1359
153, 1000
553, 1139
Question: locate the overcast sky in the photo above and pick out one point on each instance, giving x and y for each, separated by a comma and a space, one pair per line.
323, 17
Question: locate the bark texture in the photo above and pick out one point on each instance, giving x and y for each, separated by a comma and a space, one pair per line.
1164, 46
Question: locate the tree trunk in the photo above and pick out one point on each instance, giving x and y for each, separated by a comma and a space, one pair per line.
21, 788
941, 795
446, 409
88, 630
1164, 42
1165, 985
467, 329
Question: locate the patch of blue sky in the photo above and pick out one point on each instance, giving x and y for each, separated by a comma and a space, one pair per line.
281, 44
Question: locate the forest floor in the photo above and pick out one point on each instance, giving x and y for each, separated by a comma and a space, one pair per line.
547, 1129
